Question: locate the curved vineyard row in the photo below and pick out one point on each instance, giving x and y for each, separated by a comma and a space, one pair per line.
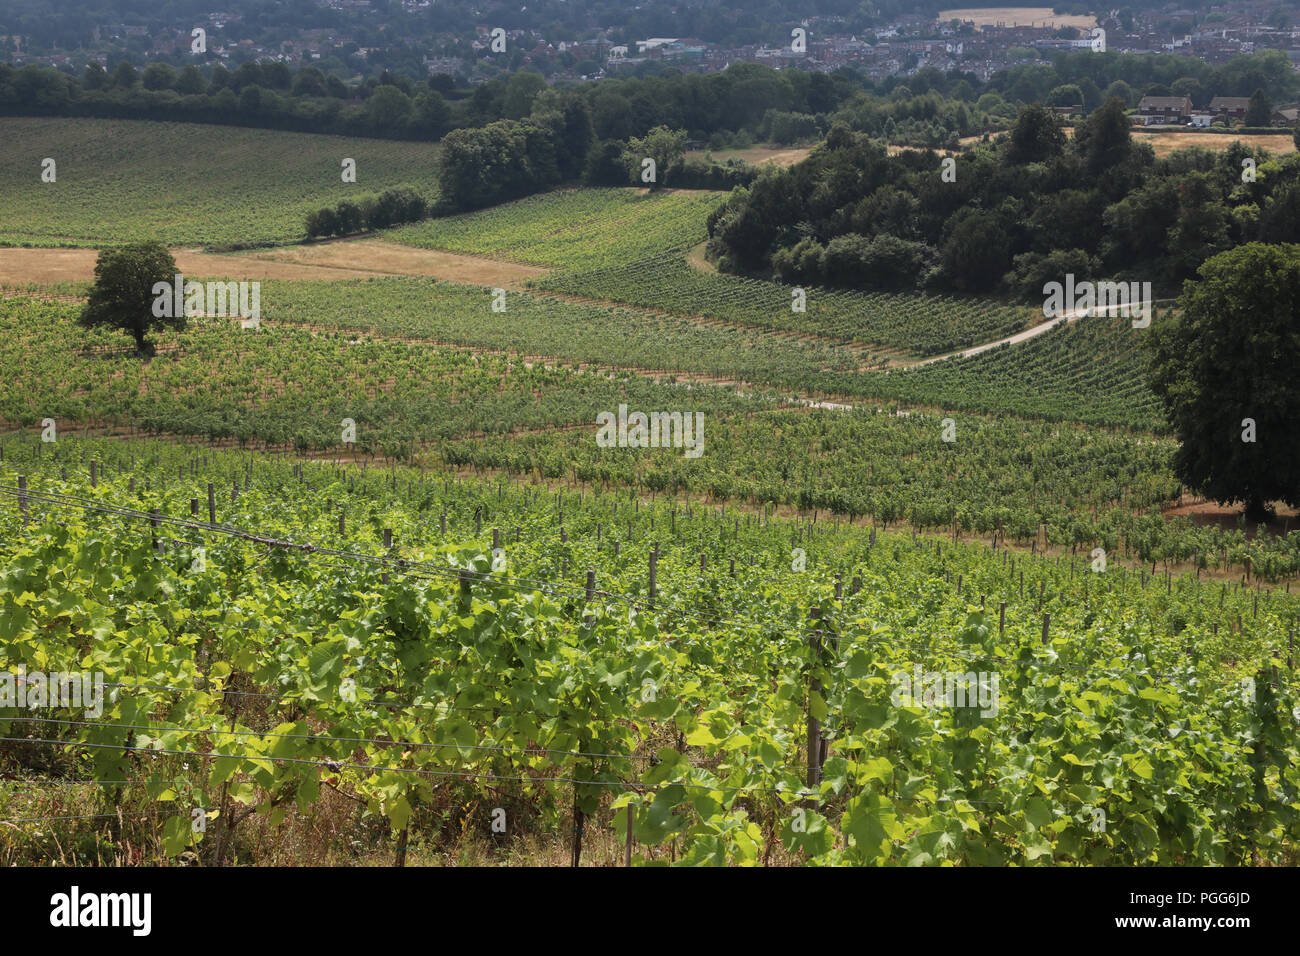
1089, 370
911, 323
1092, 368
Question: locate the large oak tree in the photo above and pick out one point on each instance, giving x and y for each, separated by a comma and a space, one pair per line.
123, 297
1227, 370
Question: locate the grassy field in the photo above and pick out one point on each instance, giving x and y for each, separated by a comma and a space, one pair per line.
326, 261
1022, 16
185, 184
625, 246
572, 229
757, 155
1166, 143
418, 699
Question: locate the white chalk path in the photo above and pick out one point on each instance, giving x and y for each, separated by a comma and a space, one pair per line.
1030, 333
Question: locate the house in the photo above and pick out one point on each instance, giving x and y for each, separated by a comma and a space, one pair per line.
1288, 116
1229, 108
1154, 110
655, 43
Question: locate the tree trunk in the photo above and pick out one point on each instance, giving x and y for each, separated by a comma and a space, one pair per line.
1257, 510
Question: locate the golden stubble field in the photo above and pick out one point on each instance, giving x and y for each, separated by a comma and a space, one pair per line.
757, 155
1018, 16
331, 260
1165, 143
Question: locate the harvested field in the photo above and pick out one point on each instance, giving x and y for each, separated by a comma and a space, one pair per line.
326, 261
1166, 143
757, 155
1018, 16
381, 257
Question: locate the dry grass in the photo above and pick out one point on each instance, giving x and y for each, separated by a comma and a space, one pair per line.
454, 828
1166, 143
757, 155
328, 261
1018, 16
380, 257
962, 143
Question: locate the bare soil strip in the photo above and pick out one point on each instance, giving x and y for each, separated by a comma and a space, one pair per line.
696, 258
381, 257
328, 261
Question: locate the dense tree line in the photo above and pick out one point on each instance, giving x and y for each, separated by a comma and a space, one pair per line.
390, 208
509, 159
266, 95
515, 135
1019, 211
931, 108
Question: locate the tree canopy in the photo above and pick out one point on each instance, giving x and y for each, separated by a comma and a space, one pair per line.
1225, 371
123, 296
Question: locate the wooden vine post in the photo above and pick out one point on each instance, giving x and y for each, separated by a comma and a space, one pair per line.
814, 687
627, 848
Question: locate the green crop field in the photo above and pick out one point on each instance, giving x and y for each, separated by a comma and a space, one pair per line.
1097, 380
491, 411
231, 384
1097, 364
374, 583
908, 323
572, 229
185, 184
441, 646
624, 245
1089, 370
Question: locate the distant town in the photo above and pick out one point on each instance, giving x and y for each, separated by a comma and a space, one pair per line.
974, 41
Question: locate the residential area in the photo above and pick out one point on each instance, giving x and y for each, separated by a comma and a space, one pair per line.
975, 41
